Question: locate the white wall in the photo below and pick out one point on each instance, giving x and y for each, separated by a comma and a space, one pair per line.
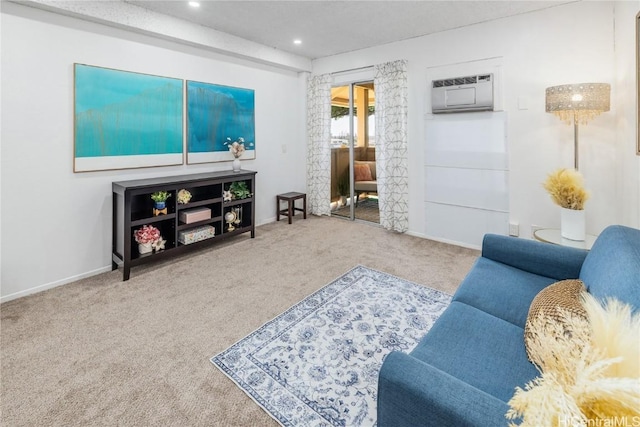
628, 173
56, 225
572, 43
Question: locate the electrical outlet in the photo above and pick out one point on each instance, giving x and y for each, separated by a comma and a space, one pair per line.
514, 229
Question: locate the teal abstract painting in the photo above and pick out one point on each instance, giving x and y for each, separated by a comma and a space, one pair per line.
215, 114
126, 120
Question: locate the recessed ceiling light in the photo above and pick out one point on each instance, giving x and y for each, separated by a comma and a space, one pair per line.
194, 4
297, 41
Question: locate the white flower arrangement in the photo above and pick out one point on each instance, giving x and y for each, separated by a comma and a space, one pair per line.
184, 196
235, 147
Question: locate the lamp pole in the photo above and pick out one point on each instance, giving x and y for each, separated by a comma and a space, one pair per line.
575, 141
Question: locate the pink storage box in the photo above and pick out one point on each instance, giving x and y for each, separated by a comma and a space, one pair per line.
195, 215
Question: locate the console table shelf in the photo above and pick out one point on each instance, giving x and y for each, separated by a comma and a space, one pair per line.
133, 208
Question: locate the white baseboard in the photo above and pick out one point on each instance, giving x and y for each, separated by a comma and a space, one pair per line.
450, 242
266, 221
415, 234
54, 284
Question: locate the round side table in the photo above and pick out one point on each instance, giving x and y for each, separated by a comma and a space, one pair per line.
552, 235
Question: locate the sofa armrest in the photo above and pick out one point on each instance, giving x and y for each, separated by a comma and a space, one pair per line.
544, 259
412, 393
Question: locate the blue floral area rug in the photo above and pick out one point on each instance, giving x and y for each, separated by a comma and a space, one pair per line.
317, 363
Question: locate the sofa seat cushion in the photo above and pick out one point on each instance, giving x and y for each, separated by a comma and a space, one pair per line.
366, 186
479, 349
501, 290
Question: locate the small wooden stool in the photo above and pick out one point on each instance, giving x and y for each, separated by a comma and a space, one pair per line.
290, 198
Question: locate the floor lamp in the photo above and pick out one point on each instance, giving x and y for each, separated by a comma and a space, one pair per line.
579, 103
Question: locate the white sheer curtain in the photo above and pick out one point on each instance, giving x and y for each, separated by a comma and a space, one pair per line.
390, 82
319, 144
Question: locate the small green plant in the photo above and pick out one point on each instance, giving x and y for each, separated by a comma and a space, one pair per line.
160, 196
239, 190
343, 183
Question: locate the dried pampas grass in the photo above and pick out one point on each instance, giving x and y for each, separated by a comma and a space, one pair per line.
616, 332
566, 189
590, 376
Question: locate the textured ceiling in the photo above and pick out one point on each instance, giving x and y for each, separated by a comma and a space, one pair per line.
331, 27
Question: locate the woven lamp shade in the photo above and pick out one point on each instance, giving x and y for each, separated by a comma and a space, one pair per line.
583, 101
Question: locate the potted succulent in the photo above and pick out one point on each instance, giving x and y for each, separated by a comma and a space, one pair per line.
160, 199
239, 190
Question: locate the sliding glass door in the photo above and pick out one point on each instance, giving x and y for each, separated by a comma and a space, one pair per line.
353, 172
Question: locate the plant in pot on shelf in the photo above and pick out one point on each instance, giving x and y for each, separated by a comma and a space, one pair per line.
239, 190
147, 237
565, 186
160, 202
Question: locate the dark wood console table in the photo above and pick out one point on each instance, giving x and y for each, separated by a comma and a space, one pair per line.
133, 208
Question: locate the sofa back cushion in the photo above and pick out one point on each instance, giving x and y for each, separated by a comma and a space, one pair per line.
372, 167
612, 267
362, 172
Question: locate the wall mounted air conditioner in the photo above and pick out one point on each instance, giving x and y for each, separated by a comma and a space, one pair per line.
472, 93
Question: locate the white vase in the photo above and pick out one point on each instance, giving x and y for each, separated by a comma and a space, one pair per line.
236, 164
144, 248
572, 224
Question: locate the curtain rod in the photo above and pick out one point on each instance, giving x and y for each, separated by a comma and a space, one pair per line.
352, 69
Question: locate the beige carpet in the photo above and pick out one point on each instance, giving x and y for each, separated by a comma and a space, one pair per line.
105, 352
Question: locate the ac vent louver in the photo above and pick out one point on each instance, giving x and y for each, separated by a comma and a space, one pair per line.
459, 81
460, 94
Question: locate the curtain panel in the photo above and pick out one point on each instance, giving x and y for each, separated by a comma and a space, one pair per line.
390, 82
319, 144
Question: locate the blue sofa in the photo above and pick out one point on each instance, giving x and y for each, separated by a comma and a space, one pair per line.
465, 369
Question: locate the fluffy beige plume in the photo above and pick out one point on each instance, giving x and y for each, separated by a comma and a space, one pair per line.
566, 189
615, 332
588, 369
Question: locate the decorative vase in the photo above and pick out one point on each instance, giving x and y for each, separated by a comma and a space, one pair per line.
236, 164
160, 205
144, 248
572, 224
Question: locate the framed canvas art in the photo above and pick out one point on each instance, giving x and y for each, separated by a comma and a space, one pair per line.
217, 115
126, 120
